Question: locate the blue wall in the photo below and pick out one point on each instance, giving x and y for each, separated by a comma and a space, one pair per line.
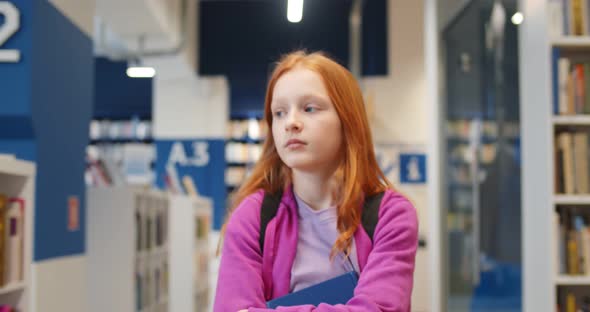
117, 96
49, 99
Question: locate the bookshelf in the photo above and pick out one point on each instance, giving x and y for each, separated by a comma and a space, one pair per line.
146, 250
569, 137
246, 135
127, 245
17, 180
189, 224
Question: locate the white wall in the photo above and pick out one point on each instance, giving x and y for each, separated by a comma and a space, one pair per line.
187, 106
399, 114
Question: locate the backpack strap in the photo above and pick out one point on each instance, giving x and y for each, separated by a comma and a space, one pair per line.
370, 214
271, 202
270, 206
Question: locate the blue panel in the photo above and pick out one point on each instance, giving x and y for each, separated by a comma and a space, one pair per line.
207, 168
117, 96
412, 168
259, 33
16, 127
374, 38
247, 94
244, 37
15, 78
62, 87
22, 149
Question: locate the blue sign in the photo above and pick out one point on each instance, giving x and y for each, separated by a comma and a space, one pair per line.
412, 168
203, 160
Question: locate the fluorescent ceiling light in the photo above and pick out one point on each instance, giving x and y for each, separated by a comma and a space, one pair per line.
141, 72
295, 11
517, 18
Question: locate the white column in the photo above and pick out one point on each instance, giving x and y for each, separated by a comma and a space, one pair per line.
433, 104
535, 115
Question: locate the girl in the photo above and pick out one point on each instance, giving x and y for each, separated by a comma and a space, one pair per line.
320, 154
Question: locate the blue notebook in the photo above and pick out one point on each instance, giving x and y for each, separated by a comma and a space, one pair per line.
337, 290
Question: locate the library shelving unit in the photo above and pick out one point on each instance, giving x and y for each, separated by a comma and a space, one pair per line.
569, 76
17, 180
127, 249
189, 224
147, 250
555, 113
243, 147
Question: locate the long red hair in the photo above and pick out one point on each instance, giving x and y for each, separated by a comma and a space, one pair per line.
358, 173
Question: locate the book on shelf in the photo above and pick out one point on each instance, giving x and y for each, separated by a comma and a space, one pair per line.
569, 18
573, 298
571, 82
14, 240
571, 161
572, 241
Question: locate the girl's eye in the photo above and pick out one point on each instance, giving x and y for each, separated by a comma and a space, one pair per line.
310, 109
279, 114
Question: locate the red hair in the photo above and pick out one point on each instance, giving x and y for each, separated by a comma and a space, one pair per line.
358, 173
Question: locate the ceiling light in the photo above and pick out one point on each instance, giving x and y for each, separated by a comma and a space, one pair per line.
295, 11
141, 72
517, 18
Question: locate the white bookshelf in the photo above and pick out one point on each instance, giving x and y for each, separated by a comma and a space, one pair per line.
568, 280
186, 249
571, 42
542, 280
127, 263
571, 120
17, 179
202, 255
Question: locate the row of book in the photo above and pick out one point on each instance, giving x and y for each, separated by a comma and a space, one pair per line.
572, 75
252, 129
572, 240
133, 129
177, 185
569, 17
464, 154
12, 220
151, 222
491, 129
151, 284
571, 161
119, 164
573, 299
202, 227
242, 152
234, 176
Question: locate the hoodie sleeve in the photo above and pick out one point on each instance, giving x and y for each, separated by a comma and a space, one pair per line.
239, 284
385, 284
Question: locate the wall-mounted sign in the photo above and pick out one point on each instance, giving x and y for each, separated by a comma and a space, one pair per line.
8, 29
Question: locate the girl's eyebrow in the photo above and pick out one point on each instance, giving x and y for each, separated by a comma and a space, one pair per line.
316, 97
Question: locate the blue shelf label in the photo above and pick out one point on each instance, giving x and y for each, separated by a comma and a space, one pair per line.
412, 168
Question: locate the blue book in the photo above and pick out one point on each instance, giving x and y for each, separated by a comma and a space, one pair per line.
337, 290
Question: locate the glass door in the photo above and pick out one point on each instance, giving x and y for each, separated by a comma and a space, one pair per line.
482, 165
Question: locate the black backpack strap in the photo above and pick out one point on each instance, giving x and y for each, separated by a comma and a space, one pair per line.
370, 214
270, 206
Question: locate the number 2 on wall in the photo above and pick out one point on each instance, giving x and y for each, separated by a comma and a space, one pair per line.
10, 26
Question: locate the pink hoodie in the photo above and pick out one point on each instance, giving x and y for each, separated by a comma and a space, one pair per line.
248, 279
